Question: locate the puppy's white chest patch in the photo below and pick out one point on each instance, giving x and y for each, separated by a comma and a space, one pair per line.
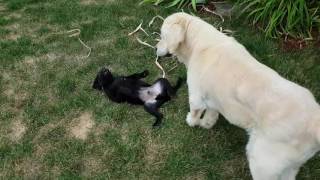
149, 94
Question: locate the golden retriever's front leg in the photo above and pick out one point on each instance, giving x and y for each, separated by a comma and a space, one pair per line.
193, 117
210, 118
196, 109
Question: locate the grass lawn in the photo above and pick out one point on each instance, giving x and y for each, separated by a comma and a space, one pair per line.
54, 125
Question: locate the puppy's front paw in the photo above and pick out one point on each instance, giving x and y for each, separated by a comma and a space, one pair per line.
190, 121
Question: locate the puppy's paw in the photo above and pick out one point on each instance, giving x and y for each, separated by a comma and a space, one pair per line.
156, 126
190, 121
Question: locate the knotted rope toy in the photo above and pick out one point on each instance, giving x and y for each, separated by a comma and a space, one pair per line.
139, 28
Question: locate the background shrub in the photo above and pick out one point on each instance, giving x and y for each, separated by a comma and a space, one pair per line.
176, 3
296, 18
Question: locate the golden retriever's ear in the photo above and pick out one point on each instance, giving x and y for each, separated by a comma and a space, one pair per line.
176, 36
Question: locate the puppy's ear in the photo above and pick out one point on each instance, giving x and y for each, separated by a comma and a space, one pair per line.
176, 36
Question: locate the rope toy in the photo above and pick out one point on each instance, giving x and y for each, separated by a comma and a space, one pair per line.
74, 33
160, 67
77, 32
154, 18
139, 28
145, 43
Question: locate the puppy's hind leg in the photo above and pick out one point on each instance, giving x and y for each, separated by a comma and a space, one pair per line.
170, 90
152, 108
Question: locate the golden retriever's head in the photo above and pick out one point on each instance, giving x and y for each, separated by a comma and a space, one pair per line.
172, 33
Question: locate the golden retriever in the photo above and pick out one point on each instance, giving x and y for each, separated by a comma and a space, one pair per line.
281, 117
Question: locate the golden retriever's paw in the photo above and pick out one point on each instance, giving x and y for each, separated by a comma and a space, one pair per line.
190, 121
207, 123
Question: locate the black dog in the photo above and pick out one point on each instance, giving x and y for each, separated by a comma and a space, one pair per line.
133, 90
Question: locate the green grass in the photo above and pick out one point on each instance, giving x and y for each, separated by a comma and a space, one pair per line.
46, 91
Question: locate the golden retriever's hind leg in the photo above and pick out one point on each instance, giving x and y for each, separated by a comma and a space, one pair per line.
210, 118
289, 174
268, 159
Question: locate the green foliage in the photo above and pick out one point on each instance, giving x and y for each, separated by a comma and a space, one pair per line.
176, 3
296, 18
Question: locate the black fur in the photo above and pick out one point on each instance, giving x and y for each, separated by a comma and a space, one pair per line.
129, 88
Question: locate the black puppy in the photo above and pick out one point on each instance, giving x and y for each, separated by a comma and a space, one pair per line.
133, 90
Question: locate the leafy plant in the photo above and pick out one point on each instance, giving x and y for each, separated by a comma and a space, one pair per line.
296, 18
176, 3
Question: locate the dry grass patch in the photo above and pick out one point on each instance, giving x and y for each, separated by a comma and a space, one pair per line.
95, 2
30, 60
15, 15
44, 130
17, 130
233, 167
124, 133
15, 32
105, 42
28, 168
13, 91
155, 152
52, 56
20, 29
81, 126
127, 18
56, 171
12, 36
5, 75
92, 165
101, 128
41, 150
16, 97
88, 2
8, 92
196, 176
2, 7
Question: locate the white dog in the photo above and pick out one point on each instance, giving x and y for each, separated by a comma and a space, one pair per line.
281, 117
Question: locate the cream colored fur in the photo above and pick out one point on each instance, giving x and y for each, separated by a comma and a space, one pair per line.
281, 117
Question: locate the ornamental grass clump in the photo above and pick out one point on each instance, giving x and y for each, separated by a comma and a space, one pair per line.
295, 18
177, 3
